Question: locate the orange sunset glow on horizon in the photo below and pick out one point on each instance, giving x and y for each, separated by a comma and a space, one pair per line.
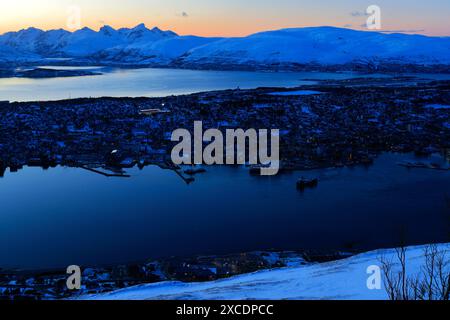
226, 18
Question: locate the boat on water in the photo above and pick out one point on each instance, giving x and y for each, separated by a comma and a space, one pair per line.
304, 183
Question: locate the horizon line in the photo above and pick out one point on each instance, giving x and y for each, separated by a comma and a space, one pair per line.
404, 32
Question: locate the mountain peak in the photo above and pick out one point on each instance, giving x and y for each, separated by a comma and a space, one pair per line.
107, 30
163, 33
86, 29
140, 26
32, 30
315, 45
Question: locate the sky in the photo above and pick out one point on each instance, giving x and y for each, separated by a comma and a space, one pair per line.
226, 17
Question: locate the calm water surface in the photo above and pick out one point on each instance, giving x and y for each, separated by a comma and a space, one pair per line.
150, 82
65, 216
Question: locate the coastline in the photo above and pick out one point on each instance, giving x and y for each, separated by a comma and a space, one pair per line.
50, 283
401, 138
360, 68
346, 279
261, 275
42, 73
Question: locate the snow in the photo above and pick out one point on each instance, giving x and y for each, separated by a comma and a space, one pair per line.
437, 106
306, 109
324, 45
319, 45
295, 93
158, 50
81, 43
344, 280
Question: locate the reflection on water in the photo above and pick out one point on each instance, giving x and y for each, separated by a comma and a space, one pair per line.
153, 82
72, 68
150, 82
68, 216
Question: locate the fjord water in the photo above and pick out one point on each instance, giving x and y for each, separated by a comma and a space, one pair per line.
154, 82
62, 216
150, 82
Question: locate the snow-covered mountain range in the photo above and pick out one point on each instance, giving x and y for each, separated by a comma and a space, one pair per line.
319, 46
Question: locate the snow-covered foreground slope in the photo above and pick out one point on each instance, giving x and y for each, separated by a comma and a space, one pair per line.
323, 46
344, 279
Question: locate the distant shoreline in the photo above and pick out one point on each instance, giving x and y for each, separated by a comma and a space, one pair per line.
41, 73
6, 71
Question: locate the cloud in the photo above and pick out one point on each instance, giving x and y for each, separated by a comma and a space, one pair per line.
358, 14
183, 14
364, 26
404, 31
